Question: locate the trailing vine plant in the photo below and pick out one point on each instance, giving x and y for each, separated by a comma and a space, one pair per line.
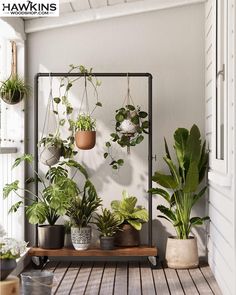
130, 127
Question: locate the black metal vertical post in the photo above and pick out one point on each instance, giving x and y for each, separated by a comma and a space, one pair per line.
36, 145
150, 160
150, 156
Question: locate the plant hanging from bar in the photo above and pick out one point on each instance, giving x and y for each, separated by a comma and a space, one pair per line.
13, 89
131, 125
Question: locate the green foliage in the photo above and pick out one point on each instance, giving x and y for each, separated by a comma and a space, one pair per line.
83, 206
107, 223
181, 185
58, 189
126, 211
12, 86
138, 119
85, 123
51, 140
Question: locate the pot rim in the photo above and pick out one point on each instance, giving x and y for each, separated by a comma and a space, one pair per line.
49, 225
176, 238
86, 131
81, 227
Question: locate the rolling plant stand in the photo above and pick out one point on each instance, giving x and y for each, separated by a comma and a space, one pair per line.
149, 251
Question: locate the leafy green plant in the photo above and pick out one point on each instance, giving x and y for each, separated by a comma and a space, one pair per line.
181, 186
107, 223
13, 89
134, 117
83, 206
127, 212
85, 123
58, 189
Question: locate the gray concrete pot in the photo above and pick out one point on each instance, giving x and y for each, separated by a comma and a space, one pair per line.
81, 237
50, 155
6, 267
107, 243
51, 236
182, 254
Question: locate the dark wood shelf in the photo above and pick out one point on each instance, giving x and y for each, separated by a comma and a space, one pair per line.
131, 251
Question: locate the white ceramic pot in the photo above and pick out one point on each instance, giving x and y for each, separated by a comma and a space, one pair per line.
50, 155
128, 127
181, 254
81, 237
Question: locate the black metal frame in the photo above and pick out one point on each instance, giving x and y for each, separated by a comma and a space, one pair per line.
150, 157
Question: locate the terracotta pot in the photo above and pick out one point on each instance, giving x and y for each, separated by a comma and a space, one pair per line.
182, 254
12, 98
50, 155
6, 267
81, 237
127, 237
51, 236
85, 140
107, 243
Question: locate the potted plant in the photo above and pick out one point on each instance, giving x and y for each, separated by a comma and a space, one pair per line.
80, 212
51, 149
108, 225
131, 218
85, 135
58, 189
180, 189
13, 90
10, 250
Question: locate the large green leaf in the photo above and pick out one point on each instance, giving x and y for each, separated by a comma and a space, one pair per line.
193, 147
26, 157
167, 181
196, 197
181, 137
135, 223
167, 212
203, 164
141, 214
167, 149
10, 187
36, 213
15, 207
173, 170
192, 178
161, 192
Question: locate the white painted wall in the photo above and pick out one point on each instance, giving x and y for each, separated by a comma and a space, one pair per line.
221, 243
170, 45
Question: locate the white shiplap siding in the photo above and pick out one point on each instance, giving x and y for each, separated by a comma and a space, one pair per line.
221, 239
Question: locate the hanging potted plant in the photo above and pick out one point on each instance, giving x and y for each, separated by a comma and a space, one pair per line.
85, 135
13, 90
180, 189
80, 213
131, 218
53, 200
10, 250
108, 225
131, 125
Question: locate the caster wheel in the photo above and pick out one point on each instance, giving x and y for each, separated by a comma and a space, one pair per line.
39, 261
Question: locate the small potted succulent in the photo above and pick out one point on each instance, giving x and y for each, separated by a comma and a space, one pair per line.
52, 201
51, 149
10, 250
108, 225
80, 212
180, 190
131, 218
85, 135
13, 90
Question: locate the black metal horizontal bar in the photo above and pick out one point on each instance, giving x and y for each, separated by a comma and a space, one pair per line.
93, 74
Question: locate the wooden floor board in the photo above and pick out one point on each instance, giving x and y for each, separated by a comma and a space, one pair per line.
121, 279
94, 282
200, 282
68, 279
206, 271
187, 282
134, 282
107, 284
148, 287
81, 281
173, 282
160, 282
129, 278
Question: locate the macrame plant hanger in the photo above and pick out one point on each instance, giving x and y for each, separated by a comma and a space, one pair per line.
85, 96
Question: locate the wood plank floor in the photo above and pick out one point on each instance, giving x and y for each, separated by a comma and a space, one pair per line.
129, 278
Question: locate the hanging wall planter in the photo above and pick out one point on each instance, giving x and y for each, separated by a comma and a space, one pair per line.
50, 150
131, 125
85, 136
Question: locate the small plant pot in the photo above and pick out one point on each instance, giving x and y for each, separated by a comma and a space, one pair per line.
51, 236
6, 267
12, 97
50, 155
107, 243
127, 237
81, 237
182, 254
85, 140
